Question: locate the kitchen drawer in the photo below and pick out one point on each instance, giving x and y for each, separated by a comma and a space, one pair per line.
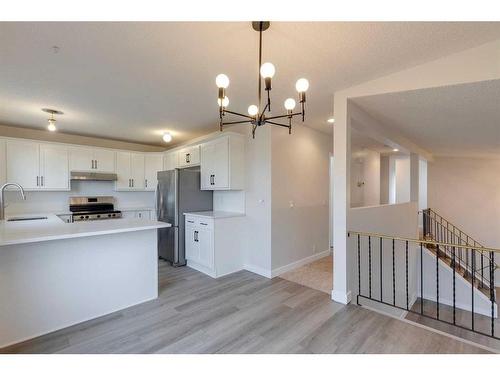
207, 223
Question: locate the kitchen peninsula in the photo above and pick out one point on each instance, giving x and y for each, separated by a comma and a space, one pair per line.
55, 274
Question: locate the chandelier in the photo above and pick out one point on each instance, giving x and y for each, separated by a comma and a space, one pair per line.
257, 116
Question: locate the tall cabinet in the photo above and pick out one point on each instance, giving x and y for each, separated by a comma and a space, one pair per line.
130, 171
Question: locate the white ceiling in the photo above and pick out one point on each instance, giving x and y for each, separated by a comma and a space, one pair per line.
132, 81
460, 120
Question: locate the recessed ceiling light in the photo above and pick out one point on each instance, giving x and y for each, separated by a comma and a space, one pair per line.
331, 120
167, 137
395, 149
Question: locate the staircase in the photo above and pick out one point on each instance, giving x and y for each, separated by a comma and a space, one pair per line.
473, 264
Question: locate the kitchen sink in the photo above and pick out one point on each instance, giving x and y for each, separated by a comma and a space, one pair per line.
27, 218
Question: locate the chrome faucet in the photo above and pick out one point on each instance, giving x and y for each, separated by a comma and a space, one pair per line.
2, 198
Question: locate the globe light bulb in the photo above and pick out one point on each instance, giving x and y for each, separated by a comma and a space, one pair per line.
167, 137
267, 70
222, 81
52, 126
302, 85
253, 110
289, 104
225, 102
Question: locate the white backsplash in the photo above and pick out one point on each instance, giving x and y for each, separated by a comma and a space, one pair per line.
229, 200
57, 201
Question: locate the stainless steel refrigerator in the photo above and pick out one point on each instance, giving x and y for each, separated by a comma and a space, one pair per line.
178, 191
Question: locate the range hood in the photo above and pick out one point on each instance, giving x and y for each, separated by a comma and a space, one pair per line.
93, 176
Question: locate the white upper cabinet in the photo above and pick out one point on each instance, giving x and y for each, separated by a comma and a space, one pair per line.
130, 171
104, 160
170, 160
189, 156
54, 172
153, 163
137, 170
222, 163
92, 160
37, 166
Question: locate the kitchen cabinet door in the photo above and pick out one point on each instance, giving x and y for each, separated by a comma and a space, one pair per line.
220, 163
153, 164
128, 214
123, 171
104, 160
54, 167
23, 164
207, 165
170, 161
189, 156
191, 243
205, 247
143, 215
137, 171
81, 159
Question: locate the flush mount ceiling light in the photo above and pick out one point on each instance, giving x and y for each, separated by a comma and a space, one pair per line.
331, 120
256, 117
52, 121
167, 137
395, 149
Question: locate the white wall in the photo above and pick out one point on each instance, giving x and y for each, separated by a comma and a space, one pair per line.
467, 192
300, 195
365, 169
422, 180
402, 179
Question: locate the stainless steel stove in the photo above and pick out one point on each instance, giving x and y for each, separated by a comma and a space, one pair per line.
93, 208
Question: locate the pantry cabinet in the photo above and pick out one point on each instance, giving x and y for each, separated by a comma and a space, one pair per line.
87, 159
153, 163
130, 171
222, 163
189, 157
37, 166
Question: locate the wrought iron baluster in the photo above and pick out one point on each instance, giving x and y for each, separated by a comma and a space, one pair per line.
454, 301
473, 262
370, 267
381, 295
406, 259
492, 292
359, 270
393, 275
437, 282
421, 279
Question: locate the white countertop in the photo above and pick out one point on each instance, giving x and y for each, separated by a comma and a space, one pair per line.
215, 214
53, 228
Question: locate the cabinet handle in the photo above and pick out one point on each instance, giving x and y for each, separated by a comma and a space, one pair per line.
92, 164
129, 183
195, 236
146, 182
37, 181
41, 181
132, 182
203, 223
214, 180
188, 158
96, 164
190, 221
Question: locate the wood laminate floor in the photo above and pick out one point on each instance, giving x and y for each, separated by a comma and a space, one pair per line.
241, 313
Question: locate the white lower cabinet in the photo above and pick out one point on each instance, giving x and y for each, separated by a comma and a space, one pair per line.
138, 214
213, 244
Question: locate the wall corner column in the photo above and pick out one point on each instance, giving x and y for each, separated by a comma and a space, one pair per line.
341, 198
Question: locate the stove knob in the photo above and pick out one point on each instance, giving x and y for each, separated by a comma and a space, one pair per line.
98, 216
81, 217
114, 215
109, 215
86, 217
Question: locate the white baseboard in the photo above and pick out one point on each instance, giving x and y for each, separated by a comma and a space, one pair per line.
341, 297
299, 263
258, 270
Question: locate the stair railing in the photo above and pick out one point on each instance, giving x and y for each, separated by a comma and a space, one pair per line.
386, 267
437, 228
